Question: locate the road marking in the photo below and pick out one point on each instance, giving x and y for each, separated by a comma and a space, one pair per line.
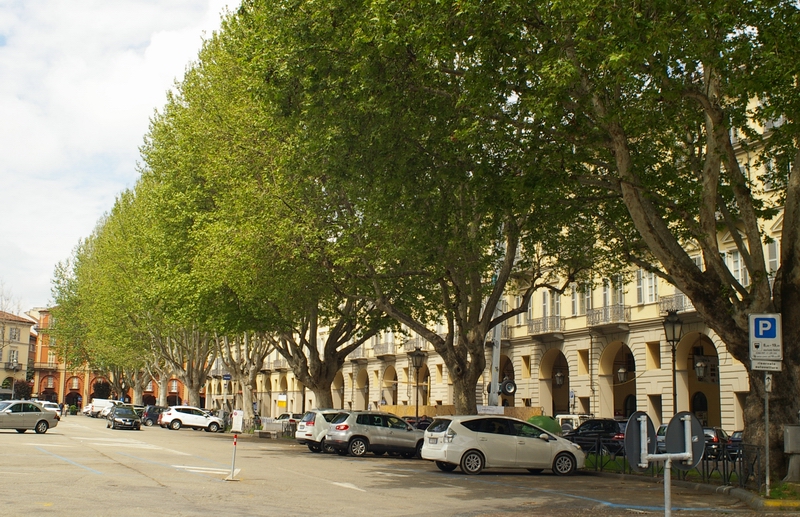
37, 444
392, 474
349, 485
205, 470
70, 461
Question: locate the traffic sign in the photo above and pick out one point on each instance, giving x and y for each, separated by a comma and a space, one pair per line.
766, 337
633, 440
675, 440
766, 366
226, 377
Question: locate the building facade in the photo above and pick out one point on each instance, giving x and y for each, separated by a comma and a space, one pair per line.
15, 335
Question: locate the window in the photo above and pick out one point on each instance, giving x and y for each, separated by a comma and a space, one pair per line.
646, 287
551, 304
51, 382
586, 300
773, 260
173, 386
74, 385
13, 356
51, 358
149, 386
518, 303
574, 300
738, 270
13, 334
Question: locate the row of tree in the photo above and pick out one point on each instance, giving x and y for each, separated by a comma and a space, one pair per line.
329, 170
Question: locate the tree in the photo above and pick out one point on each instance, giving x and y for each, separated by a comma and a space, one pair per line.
101, 390
22, 389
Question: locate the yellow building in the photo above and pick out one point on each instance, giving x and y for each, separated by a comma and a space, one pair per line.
15, 335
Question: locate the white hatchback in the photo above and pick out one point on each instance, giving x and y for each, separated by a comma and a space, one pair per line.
176, 417
311, 429
475, 442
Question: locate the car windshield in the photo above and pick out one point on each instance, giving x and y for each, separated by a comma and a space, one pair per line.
4, 405
124, 411
330, 416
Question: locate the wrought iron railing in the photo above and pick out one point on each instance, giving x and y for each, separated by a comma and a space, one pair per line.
385, 348
608, 314
677, 302
546, 325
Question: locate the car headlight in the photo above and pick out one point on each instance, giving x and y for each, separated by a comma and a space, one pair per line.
576, 445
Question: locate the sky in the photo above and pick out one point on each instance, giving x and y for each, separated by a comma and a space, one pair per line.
79, 82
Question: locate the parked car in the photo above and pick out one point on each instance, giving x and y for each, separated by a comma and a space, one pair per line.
25, 414
150, 414
107, 410
735, 444
312, 428
661, 439
99, 404
600, 435
176, 417
716, 442
378, 432
123, 416
475, 442
292, 418
50, 406
87, 409
570, 422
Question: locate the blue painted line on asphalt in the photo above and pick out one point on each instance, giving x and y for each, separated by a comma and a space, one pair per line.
62, 458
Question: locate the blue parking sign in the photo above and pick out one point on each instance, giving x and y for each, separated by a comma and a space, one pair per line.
765, 328
766, 339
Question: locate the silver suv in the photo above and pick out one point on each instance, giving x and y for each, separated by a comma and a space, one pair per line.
360, 432
313, 427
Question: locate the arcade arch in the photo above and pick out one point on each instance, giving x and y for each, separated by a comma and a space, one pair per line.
389, 388
554, 382
617, 381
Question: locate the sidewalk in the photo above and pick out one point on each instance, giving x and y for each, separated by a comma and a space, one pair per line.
754, 501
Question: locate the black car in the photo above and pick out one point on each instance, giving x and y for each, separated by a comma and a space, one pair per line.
716, 442
123, 417
735, 444
150, 414
600, 435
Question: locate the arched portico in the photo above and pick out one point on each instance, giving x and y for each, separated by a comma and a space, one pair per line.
337, 391
361, 395
389, 389
554, 382
617, 381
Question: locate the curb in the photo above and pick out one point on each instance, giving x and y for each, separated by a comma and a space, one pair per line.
754, 501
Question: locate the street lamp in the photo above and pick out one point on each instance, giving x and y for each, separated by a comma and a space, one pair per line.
417, 357
672, 330
558, 379
622, 374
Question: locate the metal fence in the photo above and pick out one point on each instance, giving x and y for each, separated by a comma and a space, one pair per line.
738, 465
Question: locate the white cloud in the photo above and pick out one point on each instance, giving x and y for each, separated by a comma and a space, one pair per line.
80, 81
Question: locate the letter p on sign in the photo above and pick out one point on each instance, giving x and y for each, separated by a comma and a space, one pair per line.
766, 328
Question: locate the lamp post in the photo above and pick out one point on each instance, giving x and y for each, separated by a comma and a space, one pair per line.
672, 330
558, 379
416, 357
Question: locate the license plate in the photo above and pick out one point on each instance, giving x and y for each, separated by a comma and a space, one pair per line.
433, 440
301, 427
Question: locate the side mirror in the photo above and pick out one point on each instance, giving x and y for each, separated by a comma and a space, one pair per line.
545, 437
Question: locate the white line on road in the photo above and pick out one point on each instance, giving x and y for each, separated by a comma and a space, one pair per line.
392, 474
349, 485
205, 470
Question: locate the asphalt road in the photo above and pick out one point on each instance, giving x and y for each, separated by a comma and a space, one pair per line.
82, 468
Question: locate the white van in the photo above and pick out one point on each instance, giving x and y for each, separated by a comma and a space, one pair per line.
570, 422
99, 404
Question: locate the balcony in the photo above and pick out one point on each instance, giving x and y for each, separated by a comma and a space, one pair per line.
416, 342
549, 328
359, 355
45, 366
218, 372
279, 365
612, 318
677, 302
13, 366
385, 349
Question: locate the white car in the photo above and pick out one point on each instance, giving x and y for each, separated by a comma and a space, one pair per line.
176, 417
106, 411
311, 429
475, 442
50, 406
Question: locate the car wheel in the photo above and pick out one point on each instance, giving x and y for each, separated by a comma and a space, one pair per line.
213, 427
108, 424
564, 464
313, 447
358, 447
472, 462
41, 427
418, 453
325, 447
114, 425
341, 452
446, 467
535, 471
149, 422
20, 431
175, 425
